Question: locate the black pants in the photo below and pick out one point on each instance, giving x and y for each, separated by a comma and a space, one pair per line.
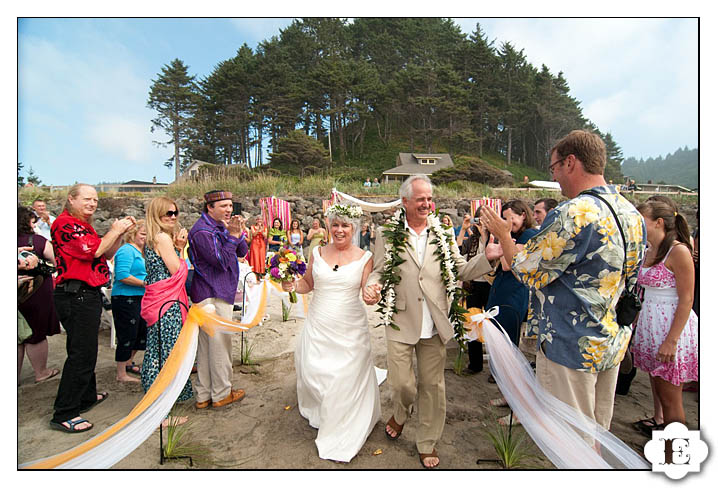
80, 315
477, 297
130, 328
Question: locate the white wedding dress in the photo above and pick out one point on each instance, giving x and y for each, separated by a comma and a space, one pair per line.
337, 385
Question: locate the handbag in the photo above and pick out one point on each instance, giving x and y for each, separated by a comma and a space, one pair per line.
629, 304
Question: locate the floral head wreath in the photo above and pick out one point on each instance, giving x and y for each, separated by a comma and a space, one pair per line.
347, 211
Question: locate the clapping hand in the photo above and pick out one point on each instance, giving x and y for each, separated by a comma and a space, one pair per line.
235, 225
495, 224
493, 251
181, 239
370, 294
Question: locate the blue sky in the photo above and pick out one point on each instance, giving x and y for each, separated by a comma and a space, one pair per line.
83, 83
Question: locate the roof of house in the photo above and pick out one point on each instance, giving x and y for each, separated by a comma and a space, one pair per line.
410, 166
141, 182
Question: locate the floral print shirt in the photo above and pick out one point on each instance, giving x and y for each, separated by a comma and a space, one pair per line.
574, 270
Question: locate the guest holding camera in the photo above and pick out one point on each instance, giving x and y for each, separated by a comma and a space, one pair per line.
35, 298
81, 257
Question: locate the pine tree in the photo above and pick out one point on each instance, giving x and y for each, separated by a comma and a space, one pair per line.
33, 178
174, 96
20, 178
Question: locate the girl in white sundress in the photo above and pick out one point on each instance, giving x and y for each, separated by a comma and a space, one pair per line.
665, 342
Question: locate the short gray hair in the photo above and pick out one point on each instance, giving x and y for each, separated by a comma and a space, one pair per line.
406, 191
355, 222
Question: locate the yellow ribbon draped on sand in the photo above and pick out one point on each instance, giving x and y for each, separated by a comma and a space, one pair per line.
120, 439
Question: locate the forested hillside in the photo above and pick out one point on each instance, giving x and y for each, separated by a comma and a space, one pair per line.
680, 168
418, 81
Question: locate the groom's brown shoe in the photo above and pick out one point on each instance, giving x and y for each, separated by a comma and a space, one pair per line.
232, 397
202, 404
394, 426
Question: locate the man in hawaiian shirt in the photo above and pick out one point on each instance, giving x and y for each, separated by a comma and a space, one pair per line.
574, 268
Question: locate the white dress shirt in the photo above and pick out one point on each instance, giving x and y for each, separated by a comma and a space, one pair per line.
418, 242
43, 229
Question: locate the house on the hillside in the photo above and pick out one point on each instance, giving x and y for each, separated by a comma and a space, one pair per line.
409, 164
192, 171
132, 186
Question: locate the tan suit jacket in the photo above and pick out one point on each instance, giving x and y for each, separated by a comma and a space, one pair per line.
419, 281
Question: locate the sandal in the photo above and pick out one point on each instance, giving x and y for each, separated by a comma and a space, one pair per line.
133, 369
103, 396
649, 423
422, 456
394, 426
72, 423
648, 430
508, 420
53, 373
500, 402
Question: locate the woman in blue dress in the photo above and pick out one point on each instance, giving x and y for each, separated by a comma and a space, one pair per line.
506, 291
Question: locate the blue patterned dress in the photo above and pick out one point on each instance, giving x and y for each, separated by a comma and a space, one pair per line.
170, 325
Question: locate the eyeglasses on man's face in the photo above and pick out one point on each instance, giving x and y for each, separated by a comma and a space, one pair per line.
550, 167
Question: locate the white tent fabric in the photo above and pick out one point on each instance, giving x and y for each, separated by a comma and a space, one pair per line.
545, 184
367, 206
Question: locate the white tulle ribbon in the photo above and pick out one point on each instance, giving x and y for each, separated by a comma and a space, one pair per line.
474, 327
569, 439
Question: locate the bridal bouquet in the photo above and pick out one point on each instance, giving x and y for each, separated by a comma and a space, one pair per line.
284, 266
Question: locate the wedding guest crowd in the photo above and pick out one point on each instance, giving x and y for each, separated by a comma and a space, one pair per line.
558, 268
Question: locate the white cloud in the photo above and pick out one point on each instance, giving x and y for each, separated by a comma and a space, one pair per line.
95, 90
121, 135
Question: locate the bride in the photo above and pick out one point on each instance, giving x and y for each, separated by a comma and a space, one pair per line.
337, 386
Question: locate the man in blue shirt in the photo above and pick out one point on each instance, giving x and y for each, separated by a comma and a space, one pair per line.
574, 268
215, 244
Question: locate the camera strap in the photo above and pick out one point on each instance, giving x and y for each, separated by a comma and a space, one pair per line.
620, 229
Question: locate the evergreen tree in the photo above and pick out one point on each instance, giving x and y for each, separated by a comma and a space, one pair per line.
33, 178
20, 178
174, 96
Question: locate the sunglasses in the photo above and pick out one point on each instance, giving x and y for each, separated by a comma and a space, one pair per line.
172, 213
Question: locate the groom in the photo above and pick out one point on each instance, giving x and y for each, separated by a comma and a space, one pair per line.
422, 309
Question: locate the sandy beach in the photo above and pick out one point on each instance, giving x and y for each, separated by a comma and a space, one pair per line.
266, 431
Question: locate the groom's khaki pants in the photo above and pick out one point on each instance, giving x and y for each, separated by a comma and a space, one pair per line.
431, 401
214, 358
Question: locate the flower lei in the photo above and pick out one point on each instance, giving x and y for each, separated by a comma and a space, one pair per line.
396, 236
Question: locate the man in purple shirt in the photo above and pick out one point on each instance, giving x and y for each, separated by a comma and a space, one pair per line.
214, 245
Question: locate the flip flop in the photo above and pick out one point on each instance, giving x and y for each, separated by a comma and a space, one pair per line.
394, 426
649, 423
61, 427
53, 373
132, 369
422, 456
103, 396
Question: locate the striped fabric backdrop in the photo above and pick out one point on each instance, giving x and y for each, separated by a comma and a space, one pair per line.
275, 207
495, 204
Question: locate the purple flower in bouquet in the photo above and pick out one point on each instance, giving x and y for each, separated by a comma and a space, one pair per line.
284, 266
